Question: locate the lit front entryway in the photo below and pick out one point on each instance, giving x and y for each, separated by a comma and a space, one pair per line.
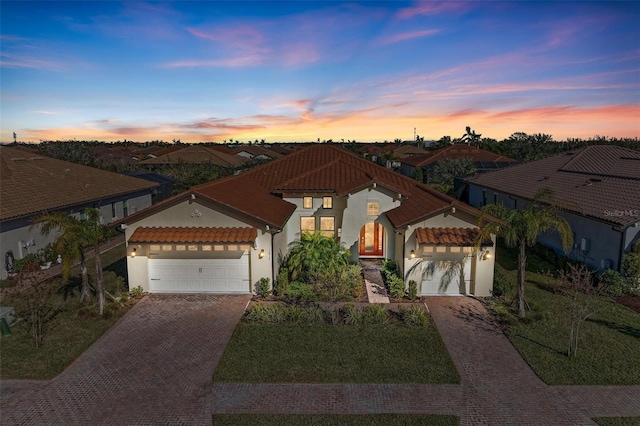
199, 275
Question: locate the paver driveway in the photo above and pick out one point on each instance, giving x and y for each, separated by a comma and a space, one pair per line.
153, 367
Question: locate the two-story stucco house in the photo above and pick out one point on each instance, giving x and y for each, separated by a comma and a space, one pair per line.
225, 235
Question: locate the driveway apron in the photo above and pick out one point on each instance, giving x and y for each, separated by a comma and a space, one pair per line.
154, 366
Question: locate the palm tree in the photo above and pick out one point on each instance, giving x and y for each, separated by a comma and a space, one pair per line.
520, 228
70, 244
74, 237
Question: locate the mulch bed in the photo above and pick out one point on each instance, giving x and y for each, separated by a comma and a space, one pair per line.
629, 300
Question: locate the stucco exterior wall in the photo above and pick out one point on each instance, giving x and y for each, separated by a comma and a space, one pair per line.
16, 234
194, 215
478, 273
350, 216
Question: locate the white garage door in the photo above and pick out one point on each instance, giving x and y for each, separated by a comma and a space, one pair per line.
433, 285
199, 275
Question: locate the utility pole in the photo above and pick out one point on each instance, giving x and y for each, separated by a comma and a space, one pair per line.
15, 138
414, 133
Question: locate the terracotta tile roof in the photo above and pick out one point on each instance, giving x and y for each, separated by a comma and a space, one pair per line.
193, 235
450, 236
601, 181
452, 152
197, 155
258, 192
32, 184
256, 151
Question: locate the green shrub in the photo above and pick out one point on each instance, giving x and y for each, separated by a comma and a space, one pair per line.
374, 314
260, 313
395, 286
352, 276
136, 291
612, 283
300, 291
631, 268
20, 265
262, 287
413, 289
282, 282
414, 316
351, 315
501, 285
313, 315
295, 314
389, 265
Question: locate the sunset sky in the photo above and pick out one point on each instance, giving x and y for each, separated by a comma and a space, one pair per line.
299, 71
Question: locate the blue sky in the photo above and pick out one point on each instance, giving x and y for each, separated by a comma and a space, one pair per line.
299, 71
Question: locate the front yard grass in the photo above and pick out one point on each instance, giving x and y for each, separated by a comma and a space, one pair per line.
334, 419
75, 328
268, 353
609, 347
618, 421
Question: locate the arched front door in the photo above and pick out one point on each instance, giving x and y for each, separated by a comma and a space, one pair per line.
372, 240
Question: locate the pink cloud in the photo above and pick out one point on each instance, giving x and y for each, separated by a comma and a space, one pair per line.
432, 8
407, 36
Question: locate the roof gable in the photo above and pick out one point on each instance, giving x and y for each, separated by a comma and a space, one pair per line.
457, 151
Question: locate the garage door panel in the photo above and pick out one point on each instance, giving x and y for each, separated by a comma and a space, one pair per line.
199, 275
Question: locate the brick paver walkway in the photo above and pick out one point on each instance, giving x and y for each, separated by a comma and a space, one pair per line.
497, 386
153, 367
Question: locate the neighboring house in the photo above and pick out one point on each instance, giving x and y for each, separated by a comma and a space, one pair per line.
484, 161
197, 154
256, 152
32, 184
165, 184
397, 155
225, 235
600, 185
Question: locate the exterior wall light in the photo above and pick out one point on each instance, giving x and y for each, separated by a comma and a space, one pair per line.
486, 255
133, 253
412, 255
261, 254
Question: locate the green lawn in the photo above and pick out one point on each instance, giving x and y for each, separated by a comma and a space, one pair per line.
618, 421
334, 419
610, 344
265, 353
70, 333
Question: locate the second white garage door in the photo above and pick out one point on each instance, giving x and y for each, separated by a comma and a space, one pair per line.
199, 275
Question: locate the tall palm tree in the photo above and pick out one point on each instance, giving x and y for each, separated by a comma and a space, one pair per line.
70, 244
521, 228
73, 239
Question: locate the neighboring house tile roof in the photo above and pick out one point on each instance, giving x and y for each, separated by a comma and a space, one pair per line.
257, 193
456, 151
193, 235
408, 151
32, 183
256, 151
465, 237
599, 181
197, 155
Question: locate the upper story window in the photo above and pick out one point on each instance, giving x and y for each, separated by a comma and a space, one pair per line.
373, 208
327, 202
307, 202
